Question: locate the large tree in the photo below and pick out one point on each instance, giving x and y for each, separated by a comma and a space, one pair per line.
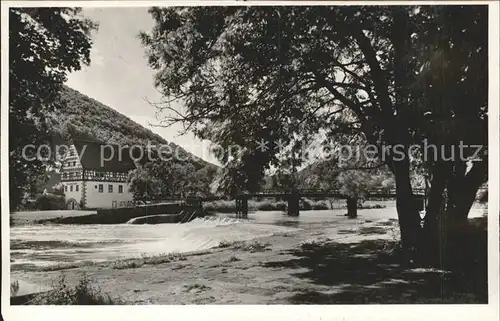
355, 176
44, 45
164, 179
400, 75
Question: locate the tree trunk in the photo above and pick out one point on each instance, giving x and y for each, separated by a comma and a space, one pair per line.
331, 203
463, 188
431, 240
409, 218
352, 207
397, 134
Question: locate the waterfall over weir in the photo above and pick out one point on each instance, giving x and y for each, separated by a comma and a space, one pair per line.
183, 217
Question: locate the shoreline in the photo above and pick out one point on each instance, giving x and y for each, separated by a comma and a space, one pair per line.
347, 261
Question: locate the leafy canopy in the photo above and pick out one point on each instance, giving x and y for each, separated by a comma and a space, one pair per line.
397, 75
44, 45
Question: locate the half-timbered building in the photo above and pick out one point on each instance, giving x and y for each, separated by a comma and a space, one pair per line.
95, 175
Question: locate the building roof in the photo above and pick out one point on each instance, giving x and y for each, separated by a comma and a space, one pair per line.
104, 157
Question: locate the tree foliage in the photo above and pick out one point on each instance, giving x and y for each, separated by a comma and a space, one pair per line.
397, 75
44, 45
160, 180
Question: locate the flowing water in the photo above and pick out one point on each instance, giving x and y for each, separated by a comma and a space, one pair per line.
47, 245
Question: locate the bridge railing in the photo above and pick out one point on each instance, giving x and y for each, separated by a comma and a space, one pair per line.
326, 192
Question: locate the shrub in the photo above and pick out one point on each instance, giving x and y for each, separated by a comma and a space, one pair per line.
14, 288
233, 259
253, 246
225, 244
482, 196
269, 205
197, 287
220, 206
84, 293
50, 202
308, 204
371, 206
223, 206
151, 260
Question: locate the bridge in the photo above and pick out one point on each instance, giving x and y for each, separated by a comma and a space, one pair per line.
293, 196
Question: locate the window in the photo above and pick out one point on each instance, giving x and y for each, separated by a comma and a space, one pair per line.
101, 187
110, 188
65, 188
71, 188
76, 188
120, 188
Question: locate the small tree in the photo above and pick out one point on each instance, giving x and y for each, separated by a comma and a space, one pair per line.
58, 189
44, 45
163, 179
144, 186
356, 184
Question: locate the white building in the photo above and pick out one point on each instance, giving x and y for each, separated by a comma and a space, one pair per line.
95, 176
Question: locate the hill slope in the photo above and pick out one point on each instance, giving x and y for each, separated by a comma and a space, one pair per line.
80, 116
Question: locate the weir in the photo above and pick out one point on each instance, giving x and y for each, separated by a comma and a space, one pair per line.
174, 212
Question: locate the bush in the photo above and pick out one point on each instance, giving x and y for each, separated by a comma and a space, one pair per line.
222, 206
84, 293
226, 244
14, 288
268, 205
371, 206
151, 260
482, 196
308, 204
50, 202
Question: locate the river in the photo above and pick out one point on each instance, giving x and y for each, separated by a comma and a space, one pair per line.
47, 245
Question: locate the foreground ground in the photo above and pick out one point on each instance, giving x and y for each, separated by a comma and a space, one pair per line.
349, 262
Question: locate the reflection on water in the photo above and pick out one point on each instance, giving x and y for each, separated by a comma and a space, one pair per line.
45, 245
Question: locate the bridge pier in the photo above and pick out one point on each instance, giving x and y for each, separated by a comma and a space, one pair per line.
242, 207
293, 204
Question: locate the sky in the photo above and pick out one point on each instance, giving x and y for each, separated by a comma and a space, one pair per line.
119, 77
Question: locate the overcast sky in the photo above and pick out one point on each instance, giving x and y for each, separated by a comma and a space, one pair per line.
119, 76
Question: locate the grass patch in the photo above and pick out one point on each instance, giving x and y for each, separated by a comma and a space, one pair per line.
84, 293
233, 259
225, 244
372, 230
346, 232
314, 243
147, 260
57, 267
197, 287
65, 266
254, 246
371, 206
14, 288
386, 223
